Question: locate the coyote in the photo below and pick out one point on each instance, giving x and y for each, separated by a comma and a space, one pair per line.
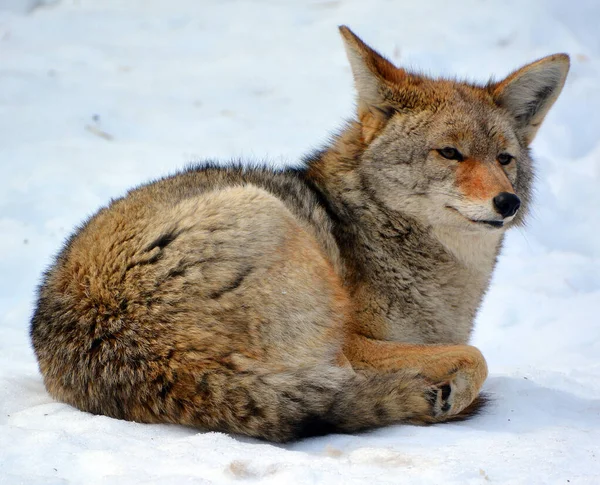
287, 303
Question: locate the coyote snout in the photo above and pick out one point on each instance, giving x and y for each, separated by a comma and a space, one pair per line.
485, 191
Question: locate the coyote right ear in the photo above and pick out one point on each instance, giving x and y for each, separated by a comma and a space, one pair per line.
373, 73
530, 92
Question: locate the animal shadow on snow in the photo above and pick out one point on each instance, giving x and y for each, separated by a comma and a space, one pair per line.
520, 404
516, 404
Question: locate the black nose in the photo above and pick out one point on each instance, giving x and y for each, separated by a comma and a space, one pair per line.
507, 204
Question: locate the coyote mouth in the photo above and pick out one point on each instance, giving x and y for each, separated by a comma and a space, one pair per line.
491, 223
494, 224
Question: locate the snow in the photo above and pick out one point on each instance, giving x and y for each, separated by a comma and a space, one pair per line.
98, 96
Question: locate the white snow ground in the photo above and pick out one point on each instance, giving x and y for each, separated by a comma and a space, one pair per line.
97, 96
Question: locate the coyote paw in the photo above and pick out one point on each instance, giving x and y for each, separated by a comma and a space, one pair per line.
449, 398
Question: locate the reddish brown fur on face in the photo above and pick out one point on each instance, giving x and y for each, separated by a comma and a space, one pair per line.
481, 181
371, 125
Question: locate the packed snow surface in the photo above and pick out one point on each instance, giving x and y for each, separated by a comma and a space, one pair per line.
97, 96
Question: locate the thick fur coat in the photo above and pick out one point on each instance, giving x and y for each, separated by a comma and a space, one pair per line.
335, 297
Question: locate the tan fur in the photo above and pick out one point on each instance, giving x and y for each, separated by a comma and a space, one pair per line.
476, 251
462, 364
283, 304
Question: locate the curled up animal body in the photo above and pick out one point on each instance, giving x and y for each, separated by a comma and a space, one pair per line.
287, 303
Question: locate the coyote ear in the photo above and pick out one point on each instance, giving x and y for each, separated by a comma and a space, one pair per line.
530, 92
371, 71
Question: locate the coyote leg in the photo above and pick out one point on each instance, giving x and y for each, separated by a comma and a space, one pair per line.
461, 367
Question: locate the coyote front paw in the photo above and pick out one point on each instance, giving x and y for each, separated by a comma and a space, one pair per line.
456, 398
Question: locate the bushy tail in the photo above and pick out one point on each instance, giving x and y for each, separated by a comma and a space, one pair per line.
306, 402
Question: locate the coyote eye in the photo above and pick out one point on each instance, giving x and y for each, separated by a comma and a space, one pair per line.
505, 158
451, 154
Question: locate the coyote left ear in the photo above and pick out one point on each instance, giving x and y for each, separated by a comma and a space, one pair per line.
372, 72
529, 93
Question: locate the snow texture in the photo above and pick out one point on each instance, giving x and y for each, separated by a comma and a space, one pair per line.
97, 96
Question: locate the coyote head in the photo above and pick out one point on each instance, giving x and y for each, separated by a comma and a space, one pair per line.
446, 152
